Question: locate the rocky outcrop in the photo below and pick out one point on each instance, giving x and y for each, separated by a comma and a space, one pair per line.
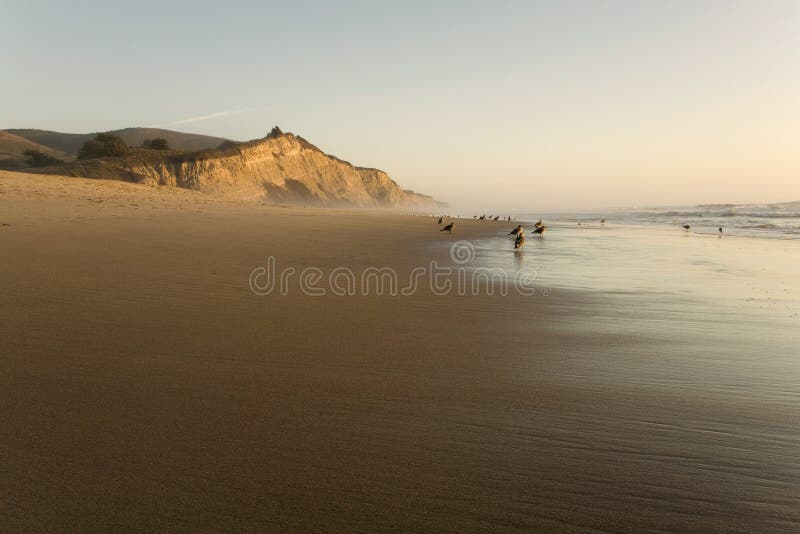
281, 169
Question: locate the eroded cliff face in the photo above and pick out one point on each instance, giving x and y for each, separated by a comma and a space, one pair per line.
279, 169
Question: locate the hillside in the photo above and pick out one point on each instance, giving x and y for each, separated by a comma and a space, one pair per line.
13, 147
280, 169
70, 143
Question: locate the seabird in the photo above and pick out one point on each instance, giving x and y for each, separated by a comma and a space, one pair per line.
540, 230
538, 224
440, 220
686, 227
497, 218
602, 221
516, 231
520, 241
720, 231
448, 228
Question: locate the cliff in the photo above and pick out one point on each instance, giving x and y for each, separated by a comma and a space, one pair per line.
283, 169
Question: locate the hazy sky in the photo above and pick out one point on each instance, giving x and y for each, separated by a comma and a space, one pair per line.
521, 106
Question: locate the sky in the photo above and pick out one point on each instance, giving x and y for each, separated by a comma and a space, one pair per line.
516, 106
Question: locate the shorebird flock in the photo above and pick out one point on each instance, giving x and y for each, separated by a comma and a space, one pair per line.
518, 233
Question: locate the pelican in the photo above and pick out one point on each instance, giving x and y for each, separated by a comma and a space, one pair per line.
520, 241
448, 228
540, 230
516, 231
538, 224
440, 220
686, 227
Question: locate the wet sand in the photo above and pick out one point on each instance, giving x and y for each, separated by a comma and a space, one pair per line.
144, 387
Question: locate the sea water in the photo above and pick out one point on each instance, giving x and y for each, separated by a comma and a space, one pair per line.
735, 272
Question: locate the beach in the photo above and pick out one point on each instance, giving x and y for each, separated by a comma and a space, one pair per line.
145, 386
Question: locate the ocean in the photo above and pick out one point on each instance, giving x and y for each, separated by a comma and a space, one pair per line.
778, 221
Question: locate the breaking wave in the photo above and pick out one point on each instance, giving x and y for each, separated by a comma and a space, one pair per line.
752, 220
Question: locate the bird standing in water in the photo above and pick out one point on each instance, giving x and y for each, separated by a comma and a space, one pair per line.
516, 231
520, 241
540, 230
440, 220
720, 231
448, 228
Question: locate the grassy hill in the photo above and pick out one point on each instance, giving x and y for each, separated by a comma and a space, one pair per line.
70, 143
13, 147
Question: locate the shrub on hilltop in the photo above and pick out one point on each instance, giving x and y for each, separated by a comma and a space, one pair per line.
159, 143
37, 158
103, 145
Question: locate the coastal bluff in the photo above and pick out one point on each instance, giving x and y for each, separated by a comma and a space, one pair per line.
280, 168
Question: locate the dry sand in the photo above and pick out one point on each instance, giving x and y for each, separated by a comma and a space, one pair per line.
144, 387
